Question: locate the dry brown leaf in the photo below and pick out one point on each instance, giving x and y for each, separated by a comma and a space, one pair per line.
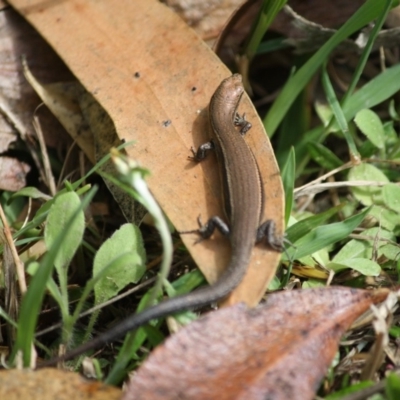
312, 23
280, 350
147, 68
18, 101
206, 17
50, 384
81, 116
12, 174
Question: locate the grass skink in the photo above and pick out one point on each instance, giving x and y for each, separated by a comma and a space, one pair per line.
243, 200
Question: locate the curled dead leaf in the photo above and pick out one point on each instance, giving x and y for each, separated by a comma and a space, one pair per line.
280, 350
12, 174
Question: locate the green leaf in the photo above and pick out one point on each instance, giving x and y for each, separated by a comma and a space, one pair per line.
353, 248
323, 156
367, 48
301, 228
32, 192
267, 14
323, 236
275, 284
126, 240
32, 268
333, 101
12, 210
349, 390
388, 219
32, 299
367, 195
324, 112
288, 178
313, 283
367, 12
377, 90
390, 251
392, 111
185, 283
392, 389
61, 212
394, 331
363, 248
371, 126
391, 196
362, 265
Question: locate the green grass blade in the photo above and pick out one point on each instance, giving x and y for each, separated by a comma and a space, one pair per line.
268, 12
366, 13
288, 179
325, 235
32, 300
379, 89
301, 228
338, 114
367, 50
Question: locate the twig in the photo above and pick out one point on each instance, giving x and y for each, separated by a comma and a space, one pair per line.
19, 265
50, 182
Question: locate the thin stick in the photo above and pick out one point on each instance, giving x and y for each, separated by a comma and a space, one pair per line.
19, 265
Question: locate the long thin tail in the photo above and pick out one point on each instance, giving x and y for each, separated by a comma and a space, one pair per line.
231, 277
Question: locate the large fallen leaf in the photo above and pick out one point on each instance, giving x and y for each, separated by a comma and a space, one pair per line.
50, 384
154, 77
280, 350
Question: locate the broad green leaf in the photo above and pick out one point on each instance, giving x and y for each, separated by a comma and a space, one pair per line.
390, 251
325, 235
388, 219
61, 212
353, 248
363, 248
362, 265
392, 389
367, 195
391, 196
126, 240
371, 126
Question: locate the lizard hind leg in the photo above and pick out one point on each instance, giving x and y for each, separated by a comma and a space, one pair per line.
206, 230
